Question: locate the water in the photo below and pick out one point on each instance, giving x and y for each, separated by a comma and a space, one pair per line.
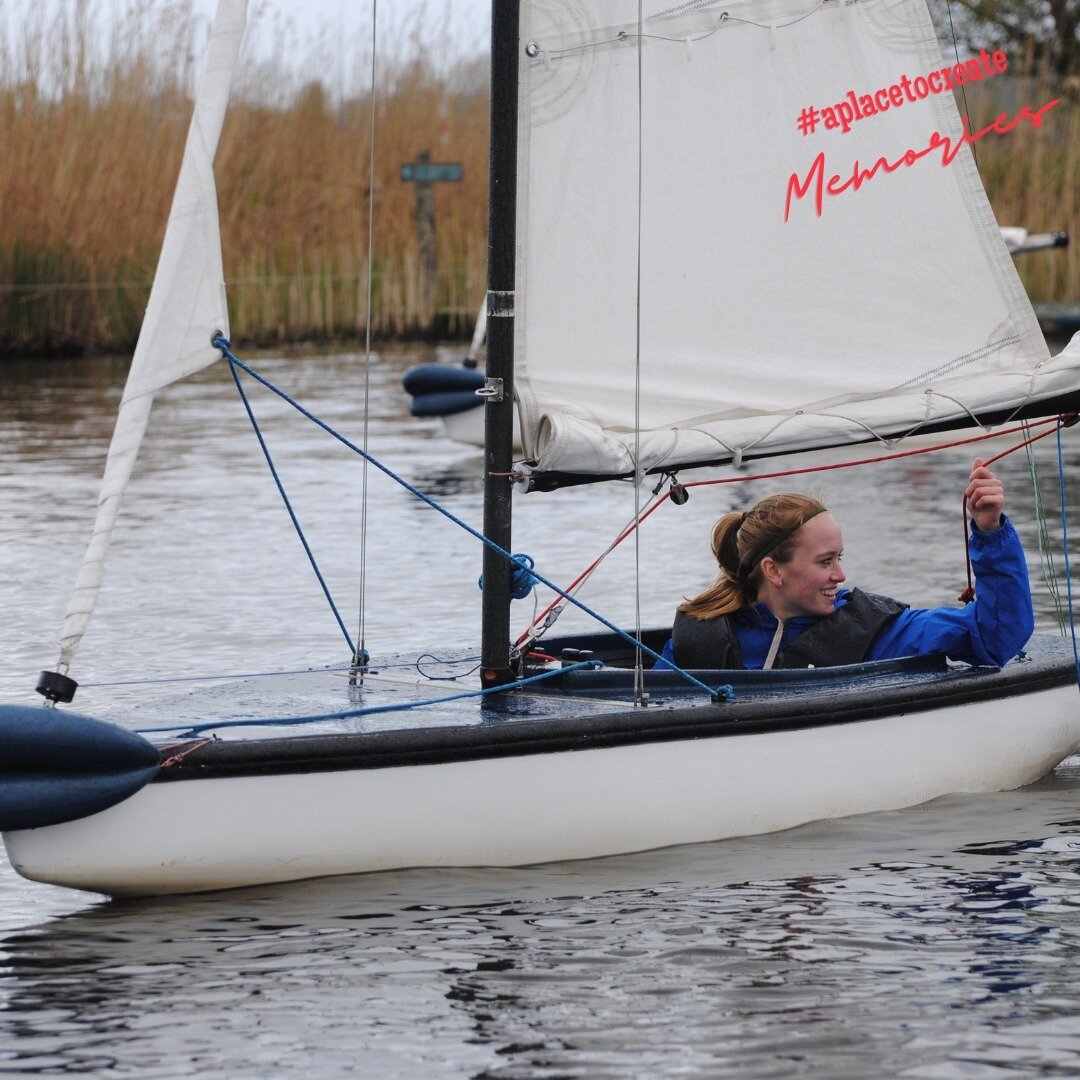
933, 942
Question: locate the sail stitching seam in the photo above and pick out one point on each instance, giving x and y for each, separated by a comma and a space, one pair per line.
957, 363
623, 36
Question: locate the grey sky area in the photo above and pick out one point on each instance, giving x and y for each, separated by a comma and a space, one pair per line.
460, 25
289, 43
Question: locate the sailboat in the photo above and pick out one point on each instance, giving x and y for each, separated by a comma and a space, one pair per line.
665, 292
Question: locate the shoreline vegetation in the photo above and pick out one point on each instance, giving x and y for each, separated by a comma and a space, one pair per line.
93, 124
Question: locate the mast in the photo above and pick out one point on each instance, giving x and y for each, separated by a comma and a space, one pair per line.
499, 407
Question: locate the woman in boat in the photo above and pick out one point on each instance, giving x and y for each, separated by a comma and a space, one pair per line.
778, 600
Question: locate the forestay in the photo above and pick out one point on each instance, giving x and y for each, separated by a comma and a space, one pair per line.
186, 307
895, 308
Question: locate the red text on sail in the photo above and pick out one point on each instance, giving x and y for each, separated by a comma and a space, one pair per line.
815, 181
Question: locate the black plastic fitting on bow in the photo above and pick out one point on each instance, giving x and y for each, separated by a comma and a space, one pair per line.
55, 687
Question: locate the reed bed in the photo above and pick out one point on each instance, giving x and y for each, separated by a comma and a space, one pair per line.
1032, 178
93, 123
93, 128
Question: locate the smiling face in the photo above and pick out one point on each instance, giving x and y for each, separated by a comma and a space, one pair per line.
806, 584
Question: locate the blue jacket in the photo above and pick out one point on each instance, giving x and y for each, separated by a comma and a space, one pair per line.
991, 630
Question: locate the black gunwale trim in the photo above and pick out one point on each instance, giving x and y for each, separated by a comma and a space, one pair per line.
429, 746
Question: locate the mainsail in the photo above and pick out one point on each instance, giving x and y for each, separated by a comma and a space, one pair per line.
186, 308
892, 308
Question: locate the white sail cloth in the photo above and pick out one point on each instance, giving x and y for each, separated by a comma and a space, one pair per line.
895, 308
187, 307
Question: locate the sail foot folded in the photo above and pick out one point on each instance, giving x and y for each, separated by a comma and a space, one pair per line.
571, 444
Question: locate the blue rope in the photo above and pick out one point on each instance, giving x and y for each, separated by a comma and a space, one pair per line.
1065, 548
222, 344
288, 506
522, 580
352, 714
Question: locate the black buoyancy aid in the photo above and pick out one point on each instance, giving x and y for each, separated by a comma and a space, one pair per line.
844, 637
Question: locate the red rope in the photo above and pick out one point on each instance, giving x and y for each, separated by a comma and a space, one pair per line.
1055, 421
895, 456
592, 566
969, 593
175, 759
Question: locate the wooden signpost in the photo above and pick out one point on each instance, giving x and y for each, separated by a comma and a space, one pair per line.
425, 174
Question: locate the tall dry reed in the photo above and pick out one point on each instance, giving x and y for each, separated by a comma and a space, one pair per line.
93, 129
92, 125
1031, 175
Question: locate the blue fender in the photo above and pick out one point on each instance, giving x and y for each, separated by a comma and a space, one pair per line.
441, 389
445, 403
57, 766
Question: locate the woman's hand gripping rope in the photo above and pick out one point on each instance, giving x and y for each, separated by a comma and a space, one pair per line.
984, 497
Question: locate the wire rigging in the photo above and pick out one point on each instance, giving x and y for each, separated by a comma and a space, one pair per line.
969, 593
963, 86
360, 653
222, 344
640, 697
1046, 551
1065, 549
288, 504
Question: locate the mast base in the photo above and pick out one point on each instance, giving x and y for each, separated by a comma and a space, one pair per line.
496, 676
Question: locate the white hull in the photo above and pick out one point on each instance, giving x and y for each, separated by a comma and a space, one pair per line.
222, 833
468, 427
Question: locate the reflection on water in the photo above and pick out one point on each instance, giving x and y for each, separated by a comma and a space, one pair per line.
935, 942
